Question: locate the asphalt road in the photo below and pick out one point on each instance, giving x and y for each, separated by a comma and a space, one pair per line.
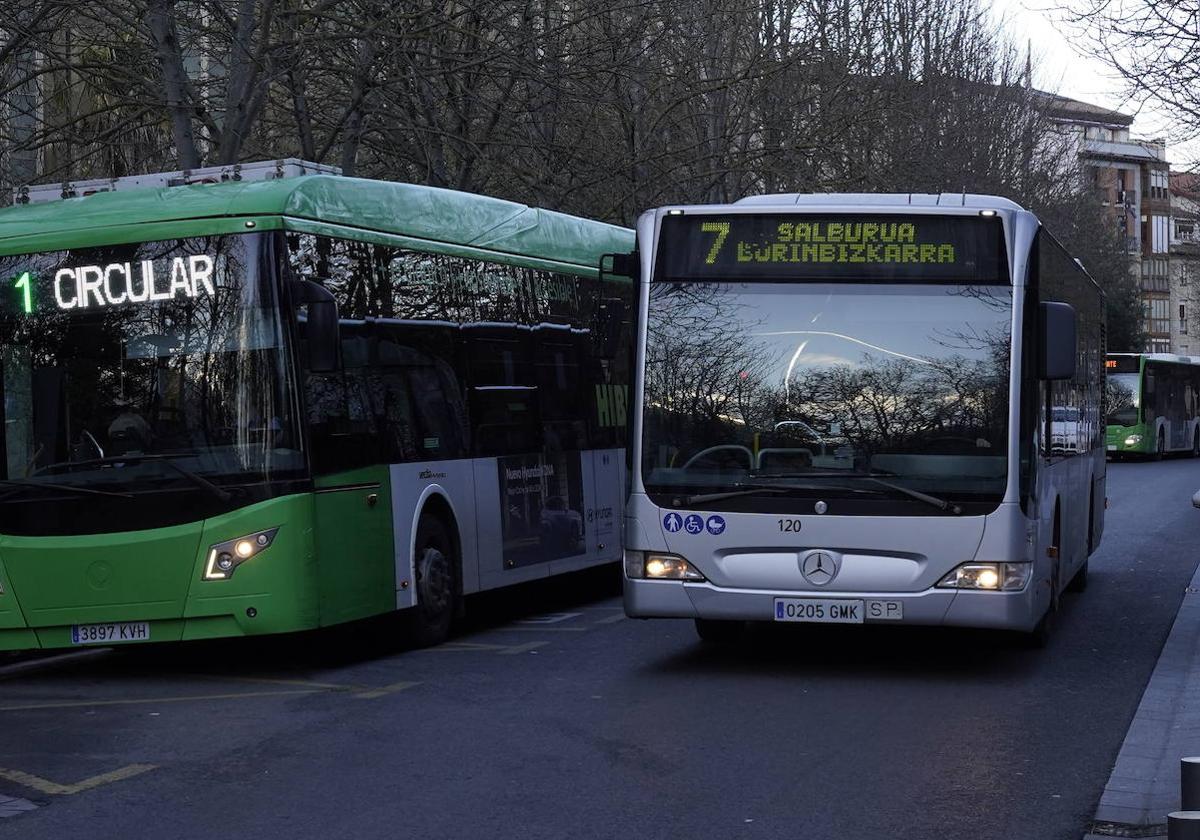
553, 716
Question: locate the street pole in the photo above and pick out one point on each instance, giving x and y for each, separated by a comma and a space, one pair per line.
1189, 784
1183, 825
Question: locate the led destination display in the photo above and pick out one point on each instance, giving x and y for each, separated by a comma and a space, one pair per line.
832, 247
51, 283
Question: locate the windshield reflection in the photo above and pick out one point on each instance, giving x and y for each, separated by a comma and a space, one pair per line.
134, 385
1123, 396
749, 381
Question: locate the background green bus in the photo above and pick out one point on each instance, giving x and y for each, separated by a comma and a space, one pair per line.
1153, 404
270, 405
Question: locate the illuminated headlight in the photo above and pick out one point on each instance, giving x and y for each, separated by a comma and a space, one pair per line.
654, 565
995, 577
225, 557
1133, 440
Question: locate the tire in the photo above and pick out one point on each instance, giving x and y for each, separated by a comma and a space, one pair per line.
1196, 444
1079, 583
1039, 636
436, 565
718, 632
1160, 448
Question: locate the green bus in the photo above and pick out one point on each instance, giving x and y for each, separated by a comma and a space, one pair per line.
281, 403
1153, 404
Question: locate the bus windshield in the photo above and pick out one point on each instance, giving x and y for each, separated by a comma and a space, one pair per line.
127, 368
822, 387
1124, 398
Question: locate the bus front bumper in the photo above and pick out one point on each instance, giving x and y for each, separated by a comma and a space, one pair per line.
948, 607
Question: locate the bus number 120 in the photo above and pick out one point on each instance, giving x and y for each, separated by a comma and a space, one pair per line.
789, 526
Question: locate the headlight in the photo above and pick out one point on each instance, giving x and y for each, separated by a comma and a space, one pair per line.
655, 565
1133, 440
225, 557
995, 577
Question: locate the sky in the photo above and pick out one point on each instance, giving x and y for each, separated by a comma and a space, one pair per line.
1059, 66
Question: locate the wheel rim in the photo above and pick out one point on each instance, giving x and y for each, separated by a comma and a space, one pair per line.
433, 581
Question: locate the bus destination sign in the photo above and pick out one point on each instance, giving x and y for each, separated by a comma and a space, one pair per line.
115, 284
832, 247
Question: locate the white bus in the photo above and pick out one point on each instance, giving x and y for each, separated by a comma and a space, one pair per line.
845, 413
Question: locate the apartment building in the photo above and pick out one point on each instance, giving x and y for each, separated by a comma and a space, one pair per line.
1185, 262
19, 112
1132, 178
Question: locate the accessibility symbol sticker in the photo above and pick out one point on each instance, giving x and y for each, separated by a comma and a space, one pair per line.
715, 525
673, 522
693, 524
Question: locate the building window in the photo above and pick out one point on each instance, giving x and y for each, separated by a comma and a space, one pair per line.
1160, 316
1185, 231
1159, 182
1155, 275
1158, 234
1182, 319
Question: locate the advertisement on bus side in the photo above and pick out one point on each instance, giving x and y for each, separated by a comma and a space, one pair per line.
543, 503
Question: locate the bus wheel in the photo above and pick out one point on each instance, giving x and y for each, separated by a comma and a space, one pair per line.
1160, 448
1196, 444
1040, 635
718, 632
1080, 581
436, 565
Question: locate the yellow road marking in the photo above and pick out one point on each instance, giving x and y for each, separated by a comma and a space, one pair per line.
455, 647
323, 686
55, 789
525, 648
387, 689
501, 650
134, 701
612, 619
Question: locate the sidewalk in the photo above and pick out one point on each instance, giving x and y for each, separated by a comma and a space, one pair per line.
1144, 785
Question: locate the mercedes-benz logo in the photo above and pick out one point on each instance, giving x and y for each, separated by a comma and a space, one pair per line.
819, 568
820, 507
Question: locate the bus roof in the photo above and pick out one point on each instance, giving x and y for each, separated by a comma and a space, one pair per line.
889, 200
445, 216
1163, 357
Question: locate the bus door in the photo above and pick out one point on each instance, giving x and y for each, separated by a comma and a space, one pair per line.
352, 486
1177, 419
608, 466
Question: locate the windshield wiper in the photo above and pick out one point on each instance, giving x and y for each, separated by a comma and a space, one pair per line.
14, 484
941, 504
751, 489
194, 477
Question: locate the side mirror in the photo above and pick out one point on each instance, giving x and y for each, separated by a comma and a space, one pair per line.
621, 265
321, 329
1057, 353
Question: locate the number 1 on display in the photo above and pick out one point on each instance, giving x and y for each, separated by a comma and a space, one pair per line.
25, 284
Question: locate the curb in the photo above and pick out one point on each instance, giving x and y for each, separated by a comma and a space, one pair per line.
1144, 784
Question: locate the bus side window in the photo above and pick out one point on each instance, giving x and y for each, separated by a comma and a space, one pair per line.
341, 411
504, 403
439, 413
561, 405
